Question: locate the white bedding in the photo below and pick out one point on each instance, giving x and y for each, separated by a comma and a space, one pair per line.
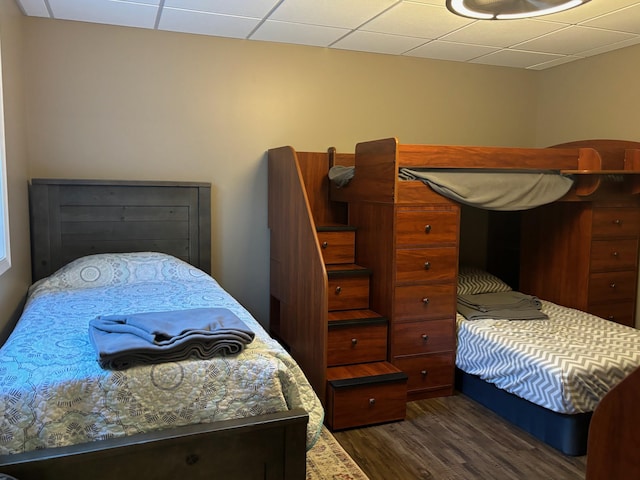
566, 363
54, 393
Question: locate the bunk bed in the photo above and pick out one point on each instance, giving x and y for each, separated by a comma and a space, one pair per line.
126, 248
578, 250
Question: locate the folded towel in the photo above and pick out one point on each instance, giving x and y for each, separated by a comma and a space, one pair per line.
510, 305
154, 337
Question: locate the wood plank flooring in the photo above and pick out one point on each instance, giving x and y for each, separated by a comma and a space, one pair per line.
455, 438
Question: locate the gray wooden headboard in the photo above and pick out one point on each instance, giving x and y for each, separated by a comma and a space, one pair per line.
74, 218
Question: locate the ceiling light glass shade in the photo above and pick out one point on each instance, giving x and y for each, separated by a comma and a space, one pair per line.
509, 9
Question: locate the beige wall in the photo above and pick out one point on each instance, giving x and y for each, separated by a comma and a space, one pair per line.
110, 102
119, 103
14, 283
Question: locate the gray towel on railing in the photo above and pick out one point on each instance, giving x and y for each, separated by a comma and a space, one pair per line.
154, 337
510, 305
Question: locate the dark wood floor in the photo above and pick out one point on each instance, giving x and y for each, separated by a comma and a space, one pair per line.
455, 438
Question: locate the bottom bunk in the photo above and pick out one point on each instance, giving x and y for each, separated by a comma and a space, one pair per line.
541, 366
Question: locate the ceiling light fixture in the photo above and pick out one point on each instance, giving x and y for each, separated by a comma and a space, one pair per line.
509, 9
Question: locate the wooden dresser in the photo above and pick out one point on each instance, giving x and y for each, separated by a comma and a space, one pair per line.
591, 266
412, 251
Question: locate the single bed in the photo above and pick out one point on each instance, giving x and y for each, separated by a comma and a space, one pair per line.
246, 415
547, 375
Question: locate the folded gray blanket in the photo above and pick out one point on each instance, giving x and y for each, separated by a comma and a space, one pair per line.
121, 341
500, 306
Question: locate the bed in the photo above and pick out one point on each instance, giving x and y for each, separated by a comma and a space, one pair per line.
112, 248
563, 249
545, 374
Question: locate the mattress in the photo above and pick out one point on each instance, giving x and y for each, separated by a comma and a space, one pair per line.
566, 363
54, 393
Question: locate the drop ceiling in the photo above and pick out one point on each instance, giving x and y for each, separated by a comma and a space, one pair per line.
414, 28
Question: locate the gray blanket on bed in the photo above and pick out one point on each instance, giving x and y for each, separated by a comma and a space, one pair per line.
495, 190
121, 341
510, 305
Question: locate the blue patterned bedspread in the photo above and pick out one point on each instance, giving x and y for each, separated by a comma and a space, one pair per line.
54, 393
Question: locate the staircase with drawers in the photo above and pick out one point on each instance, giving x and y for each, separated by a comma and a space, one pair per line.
320, 297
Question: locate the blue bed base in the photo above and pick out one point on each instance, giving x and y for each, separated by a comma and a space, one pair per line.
567, 433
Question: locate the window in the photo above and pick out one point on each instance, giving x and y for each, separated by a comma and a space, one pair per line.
5, 253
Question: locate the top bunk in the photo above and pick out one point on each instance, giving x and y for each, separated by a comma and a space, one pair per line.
379, 169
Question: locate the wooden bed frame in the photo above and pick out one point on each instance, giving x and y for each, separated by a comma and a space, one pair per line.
73, 218
376, 181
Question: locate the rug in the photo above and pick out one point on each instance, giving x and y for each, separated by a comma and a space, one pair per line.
327, 460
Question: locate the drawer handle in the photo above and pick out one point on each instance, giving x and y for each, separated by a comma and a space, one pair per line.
372, 401
338, 290
615, 254
427, 229
354, 341
612, 285
423, 373
617, 221
425, 337
425, 300
325, 244
427, 265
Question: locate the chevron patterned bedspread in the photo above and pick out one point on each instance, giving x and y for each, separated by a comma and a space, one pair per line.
566, 363
54, 393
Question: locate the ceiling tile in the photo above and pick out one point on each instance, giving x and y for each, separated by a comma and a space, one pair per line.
416, 20
574, 39
443, 50
129, 14
502, 34
589, 10
243, 8
336, 13
203, 23
284, 32
377, 43
625, 20
515, 58
36, 8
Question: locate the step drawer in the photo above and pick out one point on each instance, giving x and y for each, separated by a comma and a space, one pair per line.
337, 247
350, 292
357, 342
368, 400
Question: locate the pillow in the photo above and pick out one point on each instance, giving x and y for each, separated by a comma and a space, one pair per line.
107, 269
472, 281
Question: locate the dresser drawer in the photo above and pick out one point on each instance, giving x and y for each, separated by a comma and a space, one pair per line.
620, 312
618, 254
337, 247
356, 342
425, 302
355, 398
349, 292
616, 221
411, 338
426, 227
435, 371
426, 264
611, 286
